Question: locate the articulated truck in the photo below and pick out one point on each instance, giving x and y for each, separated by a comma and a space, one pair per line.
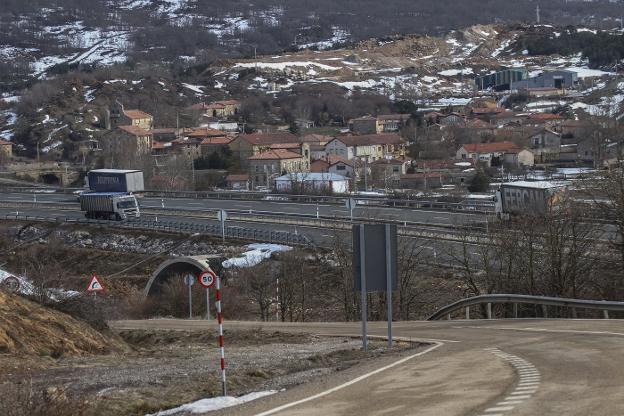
109, 205
111, 195
527, 198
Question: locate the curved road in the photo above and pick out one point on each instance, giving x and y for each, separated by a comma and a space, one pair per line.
479, 367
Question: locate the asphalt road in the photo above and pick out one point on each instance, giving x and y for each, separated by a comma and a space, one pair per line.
327, 210
441, 252
494, 368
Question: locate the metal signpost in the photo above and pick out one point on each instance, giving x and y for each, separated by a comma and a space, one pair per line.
189, 279
222, 216
221, 346
350, 204
373, 273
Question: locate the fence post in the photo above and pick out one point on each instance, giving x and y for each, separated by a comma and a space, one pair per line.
515, 310
545, 311
467, 312
489, 311
605, 313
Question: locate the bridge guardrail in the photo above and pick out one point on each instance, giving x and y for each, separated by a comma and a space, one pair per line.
242, 233
543, 301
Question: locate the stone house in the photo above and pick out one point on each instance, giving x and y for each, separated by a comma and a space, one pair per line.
6, 149
488, 154
238, 182
545, 145
119, 116
334, 164
133, 140
218, 109
388, 123
368, 147
363, 125
264, 167
247, 145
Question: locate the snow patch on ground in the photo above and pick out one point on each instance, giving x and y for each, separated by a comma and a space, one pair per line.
283, 65
258, 252
215, 403
28, 289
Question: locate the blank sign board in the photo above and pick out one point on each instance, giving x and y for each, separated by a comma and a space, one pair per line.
375, 245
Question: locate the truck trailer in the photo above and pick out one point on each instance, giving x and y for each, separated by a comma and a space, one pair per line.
109, 205
116, 180
527, 198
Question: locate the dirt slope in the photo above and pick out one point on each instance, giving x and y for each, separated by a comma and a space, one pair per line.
29, 328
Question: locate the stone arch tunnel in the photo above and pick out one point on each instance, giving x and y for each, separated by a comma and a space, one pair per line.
181, 266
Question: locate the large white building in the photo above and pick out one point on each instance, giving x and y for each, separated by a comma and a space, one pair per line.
312, 183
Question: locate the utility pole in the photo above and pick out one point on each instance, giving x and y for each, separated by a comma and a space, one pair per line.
537, 12
365, 174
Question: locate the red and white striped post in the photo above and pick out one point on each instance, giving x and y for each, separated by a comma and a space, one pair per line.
220, 320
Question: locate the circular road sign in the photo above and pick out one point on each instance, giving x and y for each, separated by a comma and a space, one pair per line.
207, 279
11, 284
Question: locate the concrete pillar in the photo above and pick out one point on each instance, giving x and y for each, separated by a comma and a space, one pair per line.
515, 310
573, 313
448, 317
467, 312
605, 314
489, 311
545, 311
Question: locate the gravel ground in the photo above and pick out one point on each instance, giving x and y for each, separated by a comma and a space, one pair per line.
170, 368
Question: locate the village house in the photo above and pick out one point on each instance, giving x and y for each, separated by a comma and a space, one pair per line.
132, 140
387, 173
118, 116
493, 154
246, 145
334, 164
218, 109
545, 145
363, 125
452, 119
6, 149
388, 123
187, 146
315, 183
264, 167
238, 182
368, 147
547, 120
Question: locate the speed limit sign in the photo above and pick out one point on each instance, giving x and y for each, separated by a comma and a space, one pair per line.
207, 279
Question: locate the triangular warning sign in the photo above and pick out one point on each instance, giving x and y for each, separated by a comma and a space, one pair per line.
95, 285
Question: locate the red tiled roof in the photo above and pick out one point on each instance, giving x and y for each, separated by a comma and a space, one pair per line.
5, 143
428, 175
319, 166
269, 138
160, 145
136, 114
205, 132
487, 110
216, 140
333, 159
237, 177
278, 154
316, 138
479, 124
545, 116
135, 130
229, 102
284, 145
490, 147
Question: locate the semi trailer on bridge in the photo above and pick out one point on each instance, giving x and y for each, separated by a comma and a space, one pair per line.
111, 194
109, 205
527, 198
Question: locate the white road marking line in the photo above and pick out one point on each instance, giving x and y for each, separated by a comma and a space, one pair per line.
567, 331
349, 383
499, 409
529, 380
